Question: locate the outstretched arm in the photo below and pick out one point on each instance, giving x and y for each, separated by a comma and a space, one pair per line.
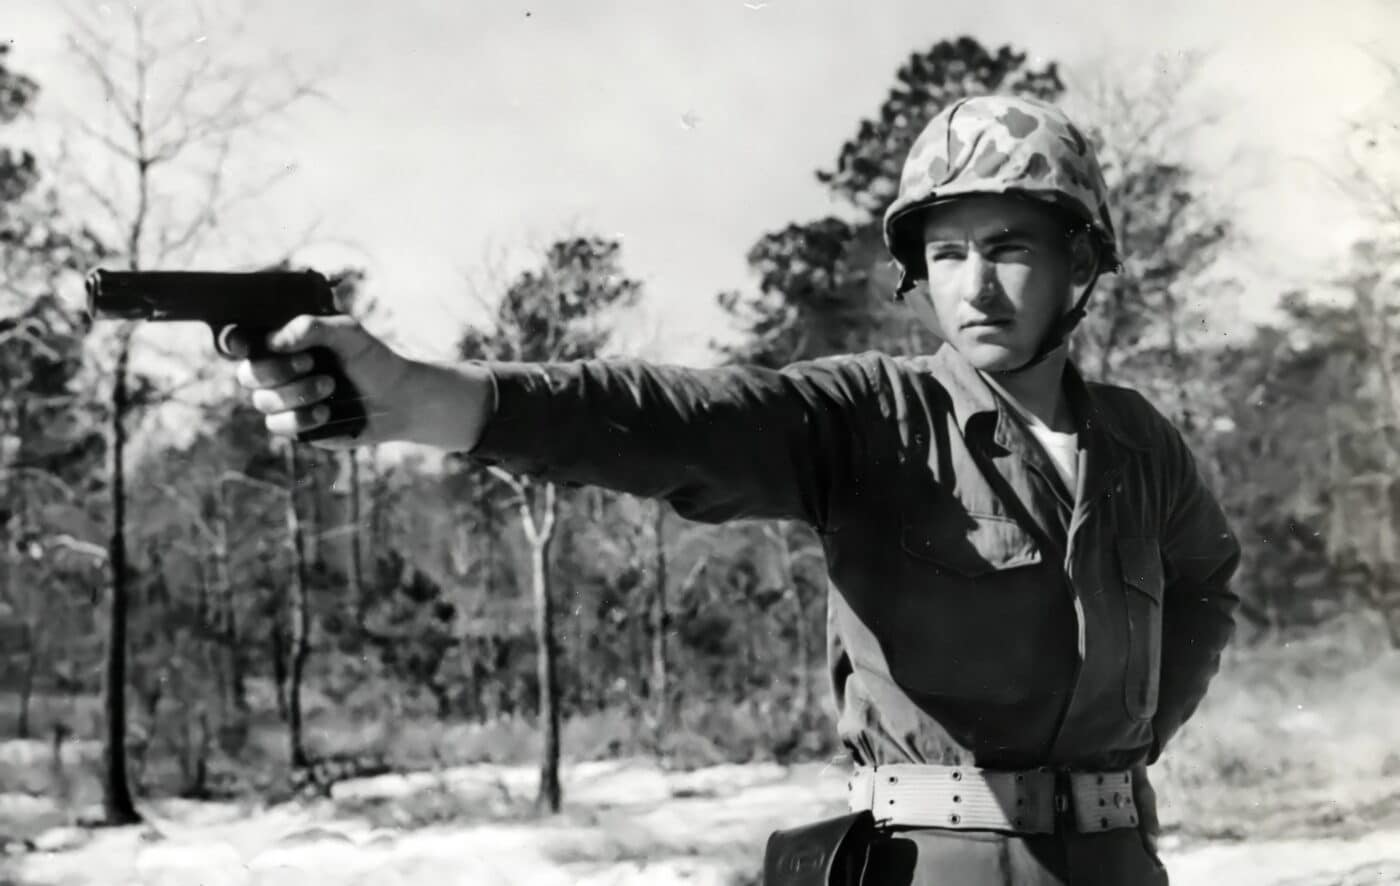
717, 444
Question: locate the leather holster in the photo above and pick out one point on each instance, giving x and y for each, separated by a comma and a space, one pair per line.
830, 852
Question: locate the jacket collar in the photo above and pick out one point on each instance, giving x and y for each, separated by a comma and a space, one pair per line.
971, 395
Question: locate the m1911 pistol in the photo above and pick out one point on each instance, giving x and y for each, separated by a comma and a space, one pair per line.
256, 303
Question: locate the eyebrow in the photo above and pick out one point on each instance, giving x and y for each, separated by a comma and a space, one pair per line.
994, 239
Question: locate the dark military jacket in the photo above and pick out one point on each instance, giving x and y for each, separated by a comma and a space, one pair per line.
978, 612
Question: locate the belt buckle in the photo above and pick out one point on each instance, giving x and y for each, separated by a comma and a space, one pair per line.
1064, 799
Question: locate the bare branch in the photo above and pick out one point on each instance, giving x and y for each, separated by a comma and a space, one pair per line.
551, 510
77, 545
184, 90
32, 333
86, 51
231, 476
107, 141
514, 482
103, 200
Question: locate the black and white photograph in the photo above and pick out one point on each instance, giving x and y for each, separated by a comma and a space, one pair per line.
726, 443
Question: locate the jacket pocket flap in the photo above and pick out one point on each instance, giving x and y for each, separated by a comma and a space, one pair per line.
980, 545
1141, 562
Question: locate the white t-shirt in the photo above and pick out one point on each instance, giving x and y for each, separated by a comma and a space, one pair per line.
1062, 448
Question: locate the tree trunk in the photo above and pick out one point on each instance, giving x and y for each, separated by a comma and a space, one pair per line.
151, 699
311, 468
1387, 600
355, 564
377, 530
117, 804
660, 624
279, 671
540, 534
804, 653
801, 628
26, 686
236, 692
443, 699
300, 614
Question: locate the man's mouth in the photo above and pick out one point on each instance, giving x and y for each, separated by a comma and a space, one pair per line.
986, 323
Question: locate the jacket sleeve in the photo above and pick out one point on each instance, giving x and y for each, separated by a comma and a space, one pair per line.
717, 444
1200, 556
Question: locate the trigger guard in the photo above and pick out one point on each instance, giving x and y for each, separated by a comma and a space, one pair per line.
221, 341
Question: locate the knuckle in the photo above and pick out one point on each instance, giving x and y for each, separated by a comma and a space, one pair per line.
276, 371
258, 372
267, 401
309, 417
245, 375
307, 392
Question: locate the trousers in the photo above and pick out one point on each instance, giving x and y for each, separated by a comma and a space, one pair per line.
932, 857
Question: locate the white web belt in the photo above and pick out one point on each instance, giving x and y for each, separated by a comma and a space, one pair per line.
967, 798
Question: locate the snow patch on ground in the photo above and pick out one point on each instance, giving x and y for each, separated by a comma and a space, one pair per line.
625, 822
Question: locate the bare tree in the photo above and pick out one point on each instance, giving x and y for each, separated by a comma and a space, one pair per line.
175, 111
300, 614
1142, 319
1370, 176
660, 622
561, 311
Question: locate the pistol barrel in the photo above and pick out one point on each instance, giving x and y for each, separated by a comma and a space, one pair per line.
215, 297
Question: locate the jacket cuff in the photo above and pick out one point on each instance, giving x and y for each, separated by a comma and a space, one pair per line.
519, 429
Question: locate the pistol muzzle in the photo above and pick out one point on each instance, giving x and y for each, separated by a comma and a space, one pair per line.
109, 297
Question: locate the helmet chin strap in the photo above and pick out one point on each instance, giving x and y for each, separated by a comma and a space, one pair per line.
1060, 332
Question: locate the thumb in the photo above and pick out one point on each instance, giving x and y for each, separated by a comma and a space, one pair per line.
306, 331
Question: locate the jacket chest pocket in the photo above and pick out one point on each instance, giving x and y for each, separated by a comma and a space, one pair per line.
1140, 566
954, 627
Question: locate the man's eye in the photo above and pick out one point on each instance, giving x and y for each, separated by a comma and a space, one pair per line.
1010, 250
945, 255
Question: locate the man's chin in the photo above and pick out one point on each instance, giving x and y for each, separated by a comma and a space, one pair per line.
991, 357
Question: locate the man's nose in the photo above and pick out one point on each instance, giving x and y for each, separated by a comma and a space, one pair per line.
981, 285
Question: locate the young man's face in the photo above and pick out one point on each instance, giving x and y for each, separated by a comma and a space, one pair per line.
1000, 272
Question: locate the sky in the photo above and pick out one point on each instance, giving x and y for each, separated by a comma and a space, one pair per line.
452, 133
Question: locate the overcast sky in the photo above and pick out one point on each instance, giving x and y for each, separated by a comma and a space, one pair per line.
689, 128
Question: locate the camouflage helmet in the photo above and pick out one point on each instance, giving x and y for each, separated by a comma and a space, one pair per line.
999, 144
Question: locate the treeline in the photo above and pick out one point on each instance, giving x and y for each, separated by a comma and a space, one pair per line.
258, 585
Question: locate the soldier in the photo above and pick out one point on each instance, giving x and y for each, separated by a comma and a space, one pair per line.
1028, 578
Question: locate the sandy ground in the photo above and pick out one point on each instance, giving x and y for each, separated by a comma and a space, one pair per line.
624, 823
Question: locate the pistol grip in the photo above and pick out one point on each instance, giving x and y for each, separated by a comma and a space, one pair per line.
346, 403
347, 408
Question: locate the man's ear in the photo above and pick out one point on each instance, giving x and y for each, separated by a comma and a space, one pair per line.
1083, 257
